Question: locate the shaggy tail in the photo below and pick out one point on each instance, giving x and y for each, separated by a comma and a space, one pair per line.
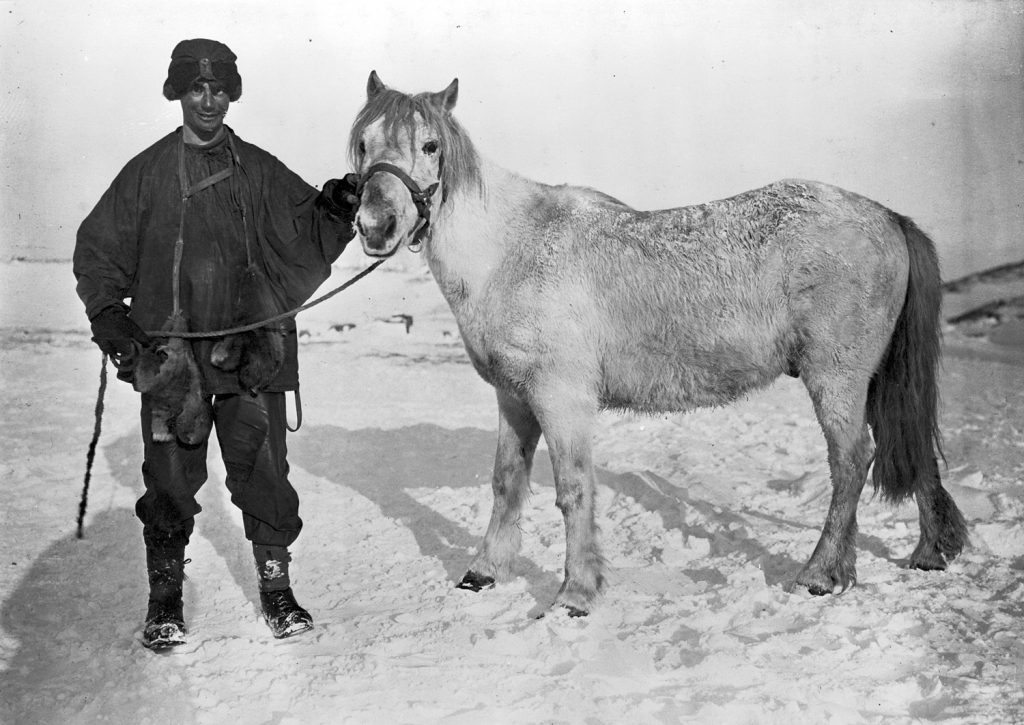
903, 396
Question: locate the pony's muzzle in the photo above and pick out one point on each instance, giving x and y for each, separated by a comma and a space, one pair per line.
385, 217
378, 234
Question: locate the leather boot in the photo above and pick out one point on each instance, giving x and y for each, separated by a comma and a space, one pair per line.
282, 613
165, 564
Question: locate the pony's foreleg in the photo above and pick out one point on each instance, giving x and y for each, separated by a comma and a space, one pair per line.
568, 433
840, 413
518, 434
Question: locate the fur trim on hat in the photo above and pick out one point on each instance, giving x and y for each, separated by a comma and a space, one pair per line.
200, 59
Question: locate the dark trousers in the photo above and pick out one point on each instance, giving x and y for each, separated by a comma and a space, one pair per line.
251, 431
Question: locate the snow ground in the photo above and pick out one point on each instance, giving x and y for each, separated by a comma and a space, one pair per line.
704, 518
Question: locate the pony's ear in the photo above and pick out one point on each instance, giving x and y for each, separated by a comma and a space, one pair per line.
448, 96
374, 85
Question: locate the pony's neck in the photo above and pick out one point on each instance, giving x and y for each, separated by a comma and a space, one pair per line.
472, 231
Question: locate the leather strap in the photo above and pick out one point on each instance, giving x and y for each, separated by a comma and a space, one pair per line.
298, 413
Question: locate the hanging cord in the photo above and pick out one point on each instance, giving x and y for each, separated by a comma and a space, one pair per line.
236, 192
91, 455
290, 313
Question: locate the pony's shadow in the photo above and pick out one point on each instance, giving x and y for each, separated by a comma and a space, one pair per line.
726, 530
382, 465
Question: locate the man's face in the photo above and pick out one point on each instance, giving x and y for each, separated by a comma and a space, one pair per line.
203, 109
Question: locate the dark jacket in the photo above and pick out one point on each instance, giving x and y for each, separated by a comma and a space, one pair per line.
125, 247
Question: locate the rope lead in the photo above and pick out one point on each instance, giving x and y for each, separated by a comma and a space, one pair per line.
275, 318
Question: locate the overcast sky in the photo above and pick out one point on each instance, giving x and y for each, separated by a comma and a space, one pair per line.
917, 104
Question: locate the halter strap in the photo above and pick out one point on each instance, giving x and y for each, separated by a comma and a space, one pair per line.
421, 198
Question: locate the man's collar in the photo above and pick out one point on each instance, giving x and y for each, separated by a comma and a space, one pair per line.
203, 146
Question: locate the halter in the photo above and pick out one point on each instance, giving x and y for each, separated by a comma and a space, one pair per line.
421, 198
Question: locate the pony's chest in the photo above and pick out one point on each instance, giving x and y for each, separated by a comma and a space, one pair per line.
500, 345
497, 312
490, 348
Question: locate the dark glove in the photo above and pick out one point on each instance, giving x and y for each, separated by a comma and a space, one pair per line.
340, 198
113, 332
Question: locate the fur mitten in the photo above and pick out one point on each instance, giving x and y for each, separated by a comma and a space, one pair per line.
168, 374
258, 354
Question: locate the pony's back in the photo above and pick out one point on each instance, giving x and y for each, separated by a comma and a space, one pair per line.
696, 305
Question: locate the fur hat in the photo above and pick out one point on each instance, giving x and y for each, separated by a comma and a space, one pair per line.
201, 59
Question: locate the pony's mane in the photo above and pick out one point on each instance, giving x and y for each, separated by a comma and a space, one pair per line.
461, 164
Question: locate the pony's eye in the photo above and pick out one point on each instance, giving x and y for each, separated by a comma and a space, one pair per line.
430, 147
362, 148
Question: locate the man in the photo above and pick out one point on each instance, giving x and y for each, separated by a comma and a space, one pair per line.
205, 229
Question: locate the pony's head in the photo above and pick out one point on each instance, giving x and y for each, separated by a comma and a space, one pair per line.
411, 156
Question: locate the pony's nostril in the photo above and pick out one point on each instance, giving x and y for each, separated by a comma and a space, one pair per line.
359, 227
389, 230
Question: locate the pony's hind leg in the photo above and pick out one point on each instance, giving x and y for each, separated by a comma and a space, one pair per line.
840, 411
943, 529
518, 434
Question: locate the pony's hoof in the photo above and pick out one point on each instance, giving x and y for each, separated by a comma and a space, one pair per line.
822, 589
475, 582
927, 559
823, 580
928, 564
814, 589
818, 586
572, 611
575, 605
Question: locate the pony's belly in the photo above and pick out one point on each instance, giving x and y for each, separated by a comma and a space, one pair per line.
644, 378
694, 379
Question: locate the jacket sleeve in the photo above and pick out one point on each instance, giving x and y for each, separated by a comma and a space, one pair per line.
301, 236
106, 248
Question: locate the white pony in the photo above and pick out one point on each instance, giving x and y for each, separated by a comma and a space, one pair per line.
569, 302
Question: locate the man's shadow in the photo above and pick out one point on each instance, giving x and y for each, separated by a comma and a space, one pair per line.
78, 610
76, 615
